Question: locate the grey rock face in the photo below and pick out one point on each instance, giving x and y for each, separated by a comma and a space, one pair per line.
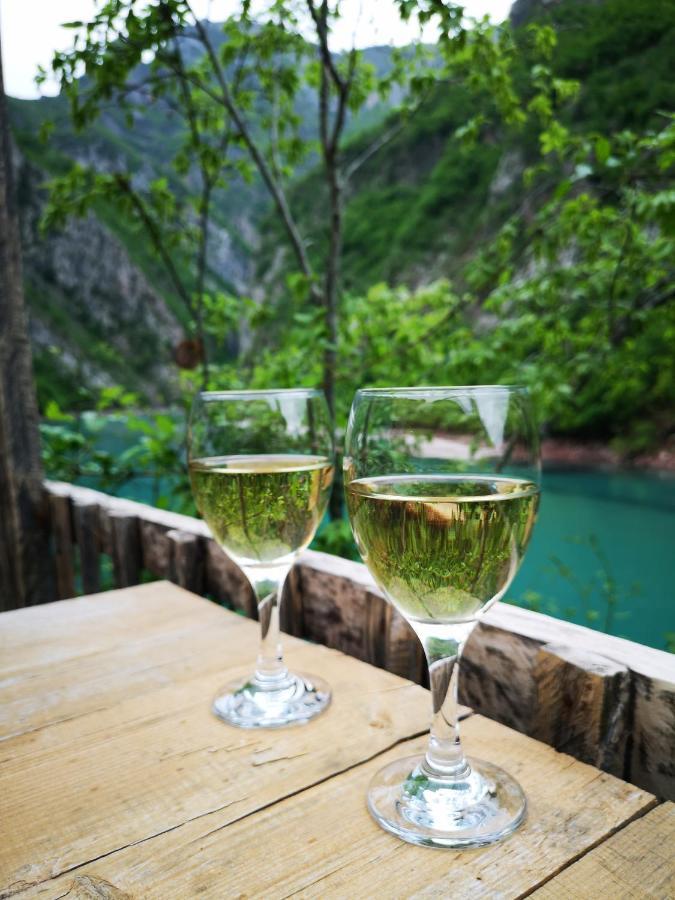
89, 299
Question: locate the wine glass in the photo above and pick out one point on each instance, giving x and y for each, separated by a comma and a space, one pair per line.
261, 469
442, 488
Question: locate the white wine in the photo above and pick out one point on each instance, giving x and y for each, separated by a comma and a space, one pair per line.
442, 546
262, 508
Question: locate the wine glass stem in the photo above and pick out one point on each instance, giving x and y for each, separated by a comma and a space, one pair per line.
443, 647
268, 584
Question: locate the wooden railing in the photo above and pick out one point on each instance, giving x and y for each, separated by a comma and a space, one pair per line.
602, 699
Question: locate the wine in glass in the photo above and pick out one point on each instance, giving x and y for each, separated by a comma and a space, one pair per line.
261, 469
442, 489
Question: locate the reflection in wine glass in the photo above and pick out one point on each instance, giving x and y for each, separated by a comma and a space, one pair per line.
261, 469
442, 489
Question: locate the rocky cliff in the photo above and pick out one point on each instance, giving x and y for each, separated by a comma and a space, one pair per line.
95, 319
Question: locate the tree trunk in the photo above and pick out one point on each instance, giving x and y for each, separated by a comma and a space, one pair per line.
26, 573
332, 287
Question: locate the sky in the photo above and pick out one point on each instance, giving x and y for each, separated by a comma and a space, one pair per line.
31, 30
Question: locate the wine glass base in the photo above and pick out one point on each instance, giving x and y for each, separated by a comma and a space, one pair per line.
248, 704
481, 809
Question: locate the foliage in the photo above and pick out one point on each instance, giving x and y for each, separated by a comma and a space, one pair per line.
236, 94
77, 448
336, 537
574, 301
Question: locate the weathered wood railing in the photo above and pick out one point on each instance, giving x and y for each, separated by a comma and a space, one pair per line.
602, 699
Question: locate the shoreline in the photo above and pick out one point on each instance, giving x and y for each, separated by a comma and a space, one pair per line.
596, 455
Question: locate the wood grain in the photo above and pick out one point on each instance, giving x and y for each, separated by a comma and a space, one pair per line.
127, 555
653, 755
86, 522
62, 533
322, 843
225, 581
582, 705
109, 736
636, 863
186, 566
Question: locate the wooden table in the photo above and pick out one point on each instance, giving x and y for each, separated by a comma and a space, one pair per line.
116, 781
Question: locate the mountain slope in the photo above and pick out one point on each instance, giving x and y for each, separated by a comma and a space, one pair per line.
102, 308
423, 203
414, 212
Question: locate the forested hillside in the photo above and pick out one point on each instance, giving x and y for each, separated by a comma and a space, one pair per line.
421, 208
103, 310
422, 204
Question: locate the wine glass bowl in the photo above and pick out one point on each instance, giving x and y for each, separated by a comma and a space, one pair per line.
442, 488
261, 470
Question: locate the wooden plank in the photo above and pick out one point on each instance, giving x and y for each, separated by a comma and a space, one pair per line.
98, 662
582, 706
521, 623
339, 612
636, 863
85, 520
126, 548
147, 513
86, 626
226, 581
133, 762
548, 630
322, 843
62, 533
187, 559
575, 700
155, 548
403, 653
497, 676
652, 761
291, 613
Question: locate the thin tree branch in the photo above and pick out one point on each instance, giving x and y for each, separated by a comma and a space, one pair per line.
124, 184
385, 138
343, 99
320, 20
274, 187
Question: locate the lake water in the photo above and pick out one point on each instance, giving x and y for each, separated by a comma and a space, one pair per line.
598, 532
631, 516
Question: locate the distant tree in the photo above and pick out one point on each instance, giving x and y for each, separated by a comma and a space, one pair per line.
237, 95
25, 562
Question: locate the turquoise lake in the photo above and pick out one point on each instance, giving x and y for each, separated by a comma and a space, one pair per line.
632, 517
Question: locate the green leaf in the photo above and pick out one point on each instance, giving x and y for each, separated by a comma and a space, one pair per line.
603, 148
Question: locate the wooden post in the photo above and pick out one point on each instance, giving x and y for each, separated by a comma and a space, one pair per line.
652, 759
292, 611
186, 567
582, 705
62, 534
26, 573
496, 676
156, 549
402, 651
85, 519
227, 582
126, 548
